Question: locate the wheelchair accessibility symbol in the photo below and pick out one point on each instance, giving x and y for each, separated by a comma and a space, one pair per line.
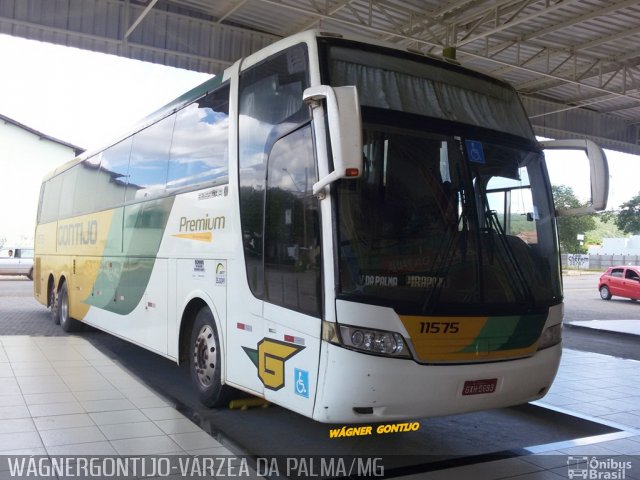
475, 151
301, 382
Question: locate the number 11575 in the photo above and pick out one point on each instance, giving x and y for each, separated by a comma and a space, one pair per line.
439, 327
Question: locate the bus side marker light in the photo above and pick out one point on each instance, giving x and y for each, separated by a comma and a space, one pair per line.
292, 339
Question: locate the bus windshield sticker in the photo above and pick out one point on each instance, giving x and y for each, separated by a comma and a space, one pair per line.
475, 151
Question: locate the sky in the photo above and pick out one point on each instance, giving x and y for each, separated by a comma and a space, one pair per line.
88, 98
84, 98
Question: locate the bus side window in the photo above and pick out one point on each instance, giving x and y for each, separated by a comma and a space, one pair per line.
149, 160
292, 230
200, 147
84, 195
50, 200
68, 188
114, 168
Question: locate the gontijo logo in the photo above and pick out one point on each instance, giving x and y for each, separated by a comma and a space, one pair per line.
200, 229
78, 233
270, 358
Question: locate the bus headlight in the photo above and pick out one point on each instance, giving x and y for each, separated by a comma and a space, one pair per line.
366, 340
551, 336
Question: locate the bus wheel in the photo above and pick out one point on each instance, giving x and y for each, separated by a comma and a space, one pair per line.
53, 303
67, 323
204, 361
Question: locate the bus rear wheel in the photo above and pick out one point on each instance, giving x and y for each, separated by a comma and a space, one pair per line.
67, 323
204, 362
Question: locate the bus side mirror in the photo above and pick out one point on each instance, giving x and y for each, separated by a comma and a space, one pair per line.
345, 130
598, 169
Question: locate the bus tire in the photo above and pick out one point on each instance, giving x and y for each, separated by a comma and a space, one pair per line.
53, 304
67, 323
30, 275
204, 361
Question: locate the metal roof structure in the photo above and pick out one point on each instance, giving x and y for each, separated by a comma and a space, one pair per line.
575, 63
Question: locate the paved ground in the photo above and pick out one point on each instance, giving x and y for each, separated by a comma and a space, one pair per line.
20, 313
583, 302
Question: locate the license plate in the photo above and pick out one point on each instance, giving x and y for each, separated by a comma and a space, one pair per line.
477, 387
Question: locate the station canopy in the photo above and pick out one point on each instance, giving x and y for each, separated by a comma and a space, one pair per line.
575, 63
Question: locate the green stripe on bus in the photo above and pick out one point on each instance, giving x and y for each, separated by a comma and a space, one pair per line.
508, 333
122, 280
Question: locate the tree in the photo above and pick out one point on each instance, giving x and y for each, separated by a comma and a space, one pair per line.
570, 226
628, 218
605, 228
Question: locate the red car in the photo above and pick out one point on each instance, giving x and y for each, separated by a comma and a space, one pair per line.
622, 281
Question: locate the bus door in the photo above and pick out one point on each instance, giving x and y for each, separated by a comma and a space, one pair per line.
280, 230
292, 266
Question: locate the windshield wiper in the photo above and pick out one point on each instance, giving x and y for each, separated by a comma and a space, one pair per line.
521, 280
454, 237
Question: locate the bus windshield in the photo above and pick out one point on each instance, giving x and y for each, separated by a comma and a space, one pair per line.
452, 216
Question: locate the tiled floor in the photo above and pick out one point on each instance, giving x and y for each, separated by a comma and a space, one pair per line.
60, 395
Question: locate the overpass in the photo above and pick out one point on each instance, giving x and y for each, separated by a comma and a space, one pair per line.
575, 63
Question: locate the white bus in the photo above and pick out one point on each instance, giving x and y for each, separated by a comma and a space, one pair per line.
353, 232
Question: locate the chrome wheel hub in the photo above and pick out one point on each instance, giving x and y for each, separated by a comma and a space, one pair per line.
204, 356
64, 308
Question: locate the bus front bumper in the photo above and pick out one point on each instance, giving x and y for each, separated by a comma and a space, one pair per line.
394, 389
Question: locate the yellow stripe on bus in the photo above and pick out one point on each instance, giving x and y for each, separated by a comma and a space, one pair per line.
448, 339
199, 236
